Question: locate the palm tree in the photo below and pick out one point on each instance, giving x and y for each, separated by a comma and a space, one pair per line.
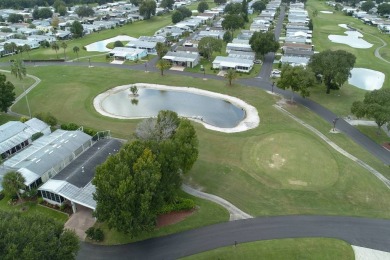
27, 49
231, 75
19, 71
13, 47
12, 183
8, 48
76, 50
20, 50
64, 46
54, 46
163, 65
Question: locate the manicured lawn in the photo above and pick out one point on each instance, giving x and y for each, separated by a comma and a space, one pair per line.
4, 118
30, 207
302, 248
18, 84
372, 132
340, 101
207, 213
227, 164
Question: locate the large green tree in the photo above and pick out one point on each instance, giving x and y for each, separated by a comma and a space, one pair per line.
367, 6
167, 4
233, 8
55, 47
12, 183
231, 75
298, 79
263, 43
7, 93
177, 17
208, 45
84, 11
259, 6
202, 6
161, 49
126, 189
233, 22
384, 9
35, 236
334, 67
163, 65
147, 8
376, 105
77, 29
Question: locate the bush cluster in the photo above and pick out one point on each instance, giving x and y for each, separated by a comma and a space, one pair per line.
95, 234
73, 127
179, 204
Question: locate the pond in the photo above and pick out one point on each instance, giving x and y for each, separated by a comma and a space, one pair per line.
215, 111
101, 45
366, 79
353, 39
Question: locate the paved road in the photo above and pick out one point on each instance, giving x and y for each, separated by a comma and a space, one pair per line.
371, 233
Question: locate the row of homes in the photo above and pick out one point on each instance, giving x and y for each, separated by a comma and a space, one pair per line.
297, 48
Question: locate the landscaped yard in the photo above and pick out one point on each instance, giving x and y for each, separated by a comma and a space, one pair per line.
284, 166
303, 248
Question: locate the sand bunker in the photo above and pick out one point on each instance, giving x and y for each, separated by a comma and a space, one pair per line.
101, 46
250, 121
366, 79
353, 39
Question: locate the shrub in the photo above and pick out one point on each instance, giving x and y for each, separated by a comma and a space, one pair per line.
40, 200
24, 119
36, 136
95, 234
1, 195
179, 204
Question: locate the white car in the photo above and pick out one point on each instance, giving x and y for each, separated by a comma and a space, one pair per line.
275, 73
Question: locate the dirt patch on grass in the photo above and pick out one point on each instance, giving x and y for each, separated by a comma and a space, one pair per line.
277, 161
173, 217
297, 182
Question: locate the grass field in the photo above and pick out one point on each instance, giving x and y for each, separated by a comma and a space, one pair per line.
303, 248
313, 179
207, 213
18, 84
325, 24
372, 132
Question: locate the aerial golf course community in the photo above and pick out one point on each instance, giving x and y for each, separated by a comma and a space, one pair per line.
269, 173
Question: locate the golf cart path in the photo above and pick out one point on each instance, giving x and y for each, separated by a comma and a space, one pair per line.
235, 213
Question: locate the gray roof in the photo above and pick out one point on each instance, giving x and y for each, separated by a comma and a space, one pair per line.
231, 61
181, 56
81, 171
141, 44
36, 124
13, 133
49, 151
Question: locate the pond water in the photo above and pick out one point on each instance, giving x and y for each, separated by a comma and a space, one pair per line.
101, 45
210, 110
366, 79
353, 39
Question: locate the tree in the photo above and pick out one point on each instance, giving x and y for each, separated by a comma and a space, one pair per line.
231, 75
161, 49
15, 18
18, 69
45, 13
55, 47
334, 67
208, 45
35, 236
177, 17
233, 8
384, 9
376, 105
130, 178
147, 9
298, 79
62, 10
263, 43
12, 183
233, 22
77, 29
167, 4
202, 6
244, 10
7, 93
258, 6
64, 46
118, 44
76, 50
27, 49
163, 65
185, 12
55, 21
136, 2
85, 11
220, 2
367, 6
227, 37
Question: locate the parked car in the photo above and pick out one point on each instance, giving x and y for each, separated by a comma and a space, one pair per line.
275, 73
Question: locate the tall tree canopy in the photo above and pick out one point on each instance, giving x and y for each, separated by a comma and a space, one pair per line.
167, 4
263, 43
85, 11
233, 22
177, 17
77, 29
12, 183
145, 174
147, 8
333, 66
208, 45
259, 6
35, 236
384, 9
7, 93
376, 105
367, 6
233, 8
202, 6
296, 78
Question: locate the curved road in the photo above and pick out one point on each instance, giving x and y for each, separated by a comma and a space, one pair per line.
370, 233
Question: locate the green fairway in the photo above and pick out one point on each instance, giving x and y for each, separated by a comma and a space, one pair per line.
227, 165
340, 101
300, 248
372, 132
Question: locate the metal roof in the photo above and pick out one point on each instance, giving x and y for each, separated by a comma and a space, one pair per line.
14, 133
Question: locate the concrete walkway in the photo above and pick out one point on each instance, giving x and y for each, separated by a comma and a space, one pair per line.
80, 221
363, 253
337, 148
235, 213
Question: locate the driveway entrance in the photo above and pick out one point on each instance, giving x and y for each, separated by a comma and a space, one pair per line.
81, 221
